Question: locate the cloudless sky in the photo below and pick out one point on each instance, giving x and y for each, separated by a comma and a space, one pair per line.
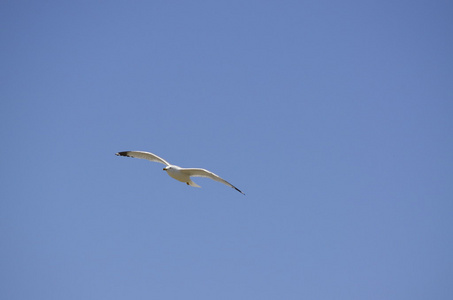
334, 117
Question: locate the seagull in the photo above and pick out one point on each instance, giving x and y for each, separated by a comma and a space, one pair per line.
178, 173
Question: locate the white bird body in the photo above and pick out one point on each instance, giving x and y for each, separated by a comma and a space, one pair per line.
175, 172
178, 173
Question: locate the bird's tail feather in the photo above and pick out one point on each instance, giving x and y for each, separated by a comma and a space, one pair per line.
191, 183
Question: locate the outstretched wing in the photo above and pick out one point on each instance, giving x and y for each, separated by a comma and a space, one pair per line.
205, 173
143, 155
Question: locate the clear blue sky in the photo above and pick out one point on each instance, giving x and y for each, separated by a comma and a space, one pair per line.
334, 117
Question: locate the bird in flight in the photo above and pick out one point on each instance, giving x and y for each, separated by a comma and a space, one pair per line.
178, 173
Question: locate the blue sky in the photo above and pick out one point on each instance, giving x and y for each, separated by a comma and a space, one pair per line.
335, 119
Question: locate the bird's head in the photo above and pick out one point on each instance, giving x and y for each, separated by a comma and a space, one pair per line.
166, 168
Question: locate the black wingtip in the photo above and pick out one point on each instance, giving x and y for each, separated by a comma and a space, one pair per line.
124, 153
239, 191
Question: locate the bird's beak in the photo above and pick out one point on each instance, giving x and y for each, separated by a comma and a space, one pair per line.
163, 169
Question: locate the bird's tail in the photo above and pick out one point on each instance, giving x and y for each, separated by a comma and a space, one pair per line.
191, 183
